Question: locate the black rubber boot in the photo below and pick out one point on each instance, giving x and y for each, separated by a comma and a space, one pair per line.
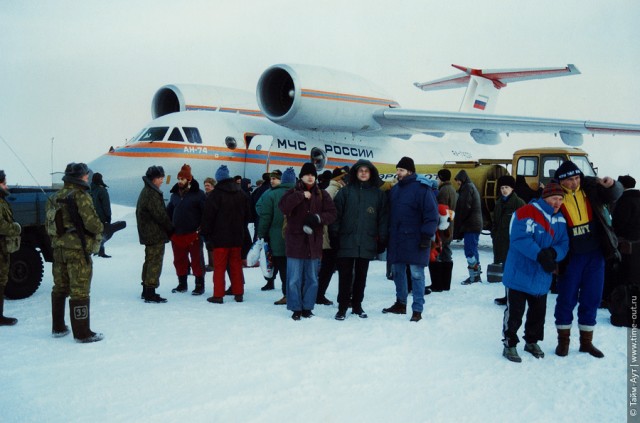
149, 295
79, 311
102, 254
199, 289
268, 286
182, 284
5, 321
396, 308
58, 326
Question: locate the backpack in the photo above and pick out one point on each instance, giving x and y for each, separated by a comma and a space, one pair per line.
53, 219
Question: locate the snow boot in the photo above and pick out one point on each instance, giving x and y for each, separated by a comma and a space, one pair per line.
58, 327
502, 301
396, 308
281, 301
564, 337
474, 272
534, 349
296, 315
102, 254
149, 295
358, 311
215, 300
5, 321
341, 314
199, 289
416, 316
307, 314
323, 301
511, 354
79, 311
586, 337
182, 284
269, 286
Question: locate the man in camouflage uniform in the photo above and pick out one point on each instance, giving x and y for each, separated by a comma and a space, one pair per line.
80, 235
9, 230
154, 230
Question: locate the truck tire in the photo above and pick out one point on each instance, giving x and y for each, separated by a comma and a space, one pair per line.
25, 273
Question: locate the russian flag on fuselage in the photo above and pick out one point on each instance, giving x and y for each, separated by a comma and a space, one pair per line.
481, 102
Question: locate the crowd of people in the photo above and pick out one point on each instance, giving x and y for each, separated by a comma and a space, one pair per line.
339, 221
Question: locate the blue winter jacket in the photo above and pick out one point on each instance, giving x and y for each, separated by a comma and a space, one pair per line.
413, 214
533, 227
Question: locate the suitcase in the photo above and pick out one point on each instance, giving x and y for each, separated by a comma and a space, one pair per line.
494, 272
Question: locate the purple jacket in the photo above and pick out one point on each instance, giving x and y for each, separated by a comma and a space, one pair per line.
296, 207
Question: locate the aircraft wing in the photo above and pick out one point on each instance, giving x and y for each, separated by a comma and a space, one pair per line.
485, 129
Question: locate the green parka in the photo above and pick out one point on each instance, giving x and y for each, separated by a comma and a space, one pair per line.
154, 225
271, 218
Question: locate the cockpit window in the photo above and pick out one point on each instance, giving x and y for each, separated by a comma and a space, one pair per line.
154, 134
176, 135
193, 135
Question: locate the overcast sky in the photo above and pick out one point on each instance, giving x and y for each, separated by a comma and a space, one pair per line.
84, 72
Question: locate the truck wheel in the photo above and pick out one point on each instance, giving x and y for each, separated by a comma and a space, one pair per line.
25, 273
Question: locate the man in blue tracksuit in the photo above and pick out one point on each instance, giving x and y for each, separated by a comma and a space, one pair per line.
538, 240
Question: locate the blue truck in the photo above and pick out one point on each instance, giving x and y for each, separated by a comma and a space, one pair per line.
27, 265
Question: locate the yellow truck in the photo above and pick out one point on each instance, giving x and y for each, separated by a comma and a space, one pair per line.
534, 167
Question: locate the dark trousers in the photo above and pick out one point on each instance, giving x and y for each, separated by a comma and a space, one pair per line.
327, 269
352, 279
533, 327
280, 266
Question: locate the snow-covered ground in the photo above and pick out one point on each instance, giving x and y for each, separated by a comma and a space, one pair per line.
189, 360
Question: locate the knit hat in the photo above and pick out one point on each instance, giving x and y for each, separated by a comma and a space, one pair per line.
289, 176
97, 180
222, 173
566, 170
185, 173
406, 163
444, 175
276, 174
308, 169
76, 170
155, 172
552, 189
506, 180
626, 181
3, 176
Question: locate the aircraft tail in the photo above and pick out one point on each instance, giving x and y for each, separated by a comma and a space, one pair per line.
483, 85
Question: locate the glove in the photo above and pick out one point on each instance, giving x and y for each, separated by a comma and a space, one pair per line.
547, 258
381, 246
334, 241
425, 241
311, 221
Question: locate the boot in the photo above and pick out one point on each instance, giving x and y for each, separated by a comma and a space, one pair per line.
269, 286
511, 354
79, 311
564, 337
416, 316
396, 308
474, 272
101, 253
435, 274
149, 295
5, 321
58, 327
199, 289
281, 301
216, 300
586, 337
182, 284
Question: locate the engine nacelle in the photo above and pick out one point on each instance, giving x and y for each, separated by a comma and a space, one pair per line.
179, 98
316, 98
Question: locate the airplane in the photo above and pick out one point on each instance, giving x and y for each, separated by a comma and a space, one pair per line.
303, 113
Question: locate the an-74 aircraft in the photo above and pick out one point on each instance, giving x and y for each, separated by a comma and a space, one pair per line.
331, 118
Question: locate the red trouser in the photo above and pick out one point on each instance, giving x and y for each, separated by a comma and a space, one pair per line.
230, 258
187, 250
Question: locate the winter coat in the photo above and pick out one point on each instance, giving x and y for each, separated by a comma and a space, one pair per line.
533, 228
154, 225
296, 208
270, 218
101, 202
413, 216
362, 215
468, 216
335, 185
255, 197
8, 228
185, 209
626, 216
227, 213
501, 222
93, 227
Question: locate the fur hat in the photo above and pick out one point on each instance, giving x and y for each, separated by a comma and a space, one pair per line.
3, 176
185, 173
209, 180
222, 173
406, 163
339, 171
506, 180
276, 174
289, 176
155, 172
566, 170
76, 170
308, 169
97, 179
552, 189
626, 181
444, 175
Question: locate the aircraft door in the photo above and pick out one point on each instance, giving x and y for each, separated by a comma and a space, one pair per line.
257, 154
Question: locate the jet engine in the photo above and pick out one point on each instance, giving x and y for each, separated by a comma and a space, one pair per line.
316, 98
183, 97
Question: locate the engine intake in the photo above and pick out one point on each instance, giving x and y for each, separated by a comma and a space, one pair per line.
183, 97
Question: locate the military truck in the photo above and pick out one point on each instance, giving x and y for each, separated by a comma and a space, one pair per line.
534, 167
26, 265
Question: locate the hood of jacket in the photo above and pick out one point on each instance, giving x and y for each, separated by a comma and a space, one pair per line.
374, 180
